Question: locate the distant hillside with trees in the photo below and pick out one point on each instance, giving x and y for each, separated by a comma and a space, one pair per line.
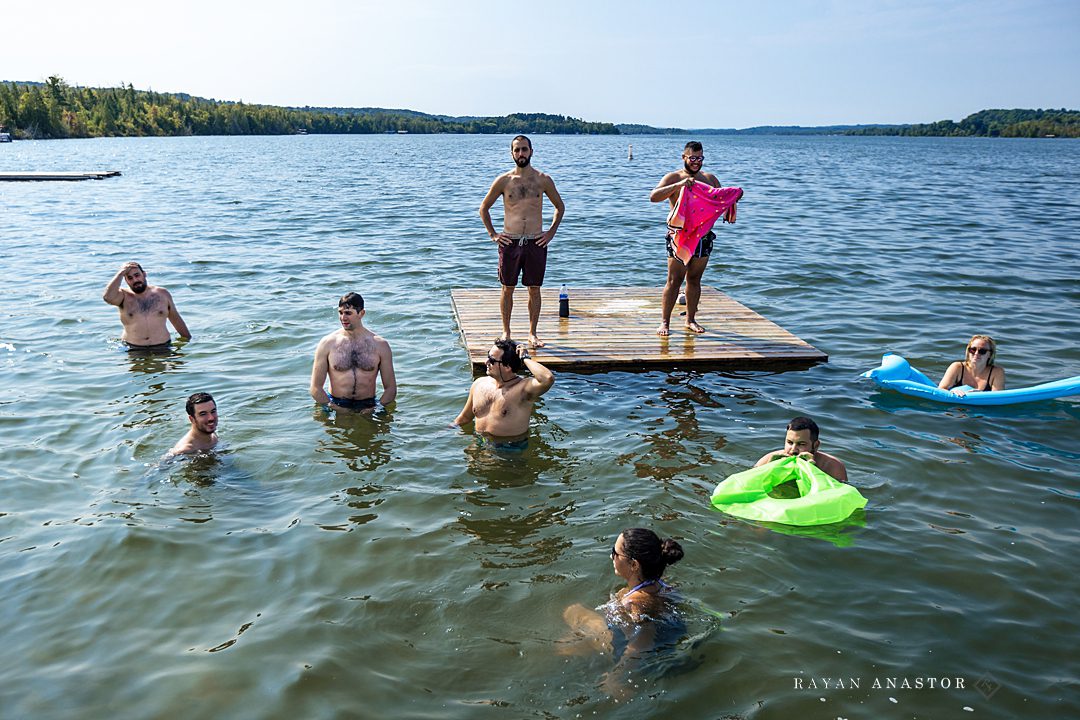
991, 123
55, 109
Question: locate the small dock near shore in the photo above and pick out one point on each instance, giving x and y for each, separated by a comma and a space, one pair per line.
615, 329
39, 176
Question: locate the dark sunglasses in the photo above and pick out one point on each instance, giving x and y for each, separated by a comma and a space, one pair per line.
493, 361
695, 158
615, 554
978, 351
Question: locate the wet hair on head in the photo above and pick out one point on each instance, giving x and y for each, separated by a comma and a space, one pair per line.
804, 423
520, 137
652, 553
694, 146
353, 300
198, 399
509, 348
989, 341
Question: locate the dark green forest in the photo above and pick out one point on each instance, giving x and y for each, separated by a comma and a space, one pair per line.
55, 109
991, 123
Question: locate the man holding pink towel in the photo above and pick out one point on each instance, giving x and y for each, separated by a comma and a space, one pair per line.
668, 189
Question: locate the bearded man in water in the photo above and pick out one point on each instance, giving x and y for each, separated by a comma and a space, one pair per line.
144, 308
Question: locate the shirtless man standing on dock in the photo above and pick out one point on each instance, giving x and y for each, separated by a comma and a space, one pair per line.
353, 357
668, 189
502, 402
143, 310
523, 241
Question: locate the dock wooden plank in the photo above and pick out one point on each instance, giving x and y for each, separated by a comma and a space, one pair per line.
615, 329
39, 176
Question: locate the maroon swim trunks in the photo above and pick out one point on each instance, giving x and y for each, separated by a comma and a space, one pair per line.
524, 257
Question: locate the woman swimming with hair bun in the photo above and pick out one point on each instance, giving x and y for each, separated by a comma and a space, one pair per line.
641, 617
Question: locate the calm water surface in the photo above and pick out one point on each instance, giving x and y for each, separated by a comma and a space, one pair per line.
332, 567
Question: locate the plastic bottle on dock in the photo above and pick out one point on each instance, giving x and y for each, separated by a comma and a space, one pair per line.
564, 301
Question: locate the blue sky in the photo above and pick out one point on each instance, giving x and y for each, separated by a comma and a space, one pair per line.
704, 64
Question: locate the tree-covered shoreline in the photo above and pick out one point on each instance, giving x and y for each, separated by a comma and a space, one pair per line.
55, 109
1015, 123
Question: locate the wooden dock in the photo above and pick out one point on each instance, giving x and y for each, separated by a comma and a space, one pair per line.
615, 329
29, 175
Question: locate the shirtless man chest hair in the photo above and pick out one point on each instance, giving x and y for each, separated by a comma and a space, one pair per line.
144, 308
502, 402
523, 243
353, 358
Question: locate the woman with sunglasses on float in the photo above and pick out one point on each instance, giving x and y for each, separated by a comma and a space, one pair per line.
977, 370
641, 618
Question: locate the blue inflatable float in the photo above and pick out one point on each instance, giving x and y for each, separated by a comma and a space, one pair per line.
897, 374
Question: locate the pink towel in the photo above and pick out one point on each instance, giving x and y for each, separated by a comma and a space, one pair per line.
696, 211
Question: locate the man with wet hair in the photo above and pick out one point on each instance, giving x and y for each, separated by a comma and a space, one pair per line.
502, 401
802, 440
668, 189
523, 243
203, 416
144, 308
353, 357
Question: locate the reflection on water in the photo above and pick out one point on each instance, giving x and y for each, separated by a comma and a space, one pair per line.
841, 534
362, 440
674, 444
495, 467
154, 362
201, 469
515, 539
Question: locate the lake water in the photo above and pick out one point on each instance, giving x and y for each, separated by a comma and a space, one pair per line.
333, 567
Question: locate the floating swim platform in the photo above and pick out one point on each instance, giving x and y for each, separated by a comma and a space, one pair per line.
896, 373
26, 175
615, 329
821, 498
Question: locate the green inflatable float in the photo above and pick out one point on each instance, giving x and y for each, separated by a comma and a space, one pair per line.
822, 499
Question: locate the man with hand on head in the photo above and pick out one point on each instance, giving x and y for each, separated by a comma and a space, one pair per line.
502, 402
144, 308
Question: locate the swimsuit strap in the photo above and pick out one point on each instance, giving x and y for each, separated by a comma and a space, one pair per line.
988, 377
640, 585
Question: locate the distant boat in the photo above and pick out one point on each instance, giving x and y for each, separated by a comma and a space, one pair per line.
5, 137
402, 132
301, 131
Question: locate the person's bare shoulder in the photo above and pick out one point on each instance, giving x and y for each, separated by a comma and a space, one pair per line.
671, 177
183, 447
711, 179
326, 342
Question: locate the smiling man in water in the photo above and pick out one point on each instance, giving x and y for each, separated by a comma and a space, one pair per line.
802, 440
523, 243
353, 357
202, 414
143, 310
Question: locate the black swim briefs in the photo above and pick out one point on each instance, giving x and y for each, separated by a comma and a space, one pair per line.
353, 403
704, 248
